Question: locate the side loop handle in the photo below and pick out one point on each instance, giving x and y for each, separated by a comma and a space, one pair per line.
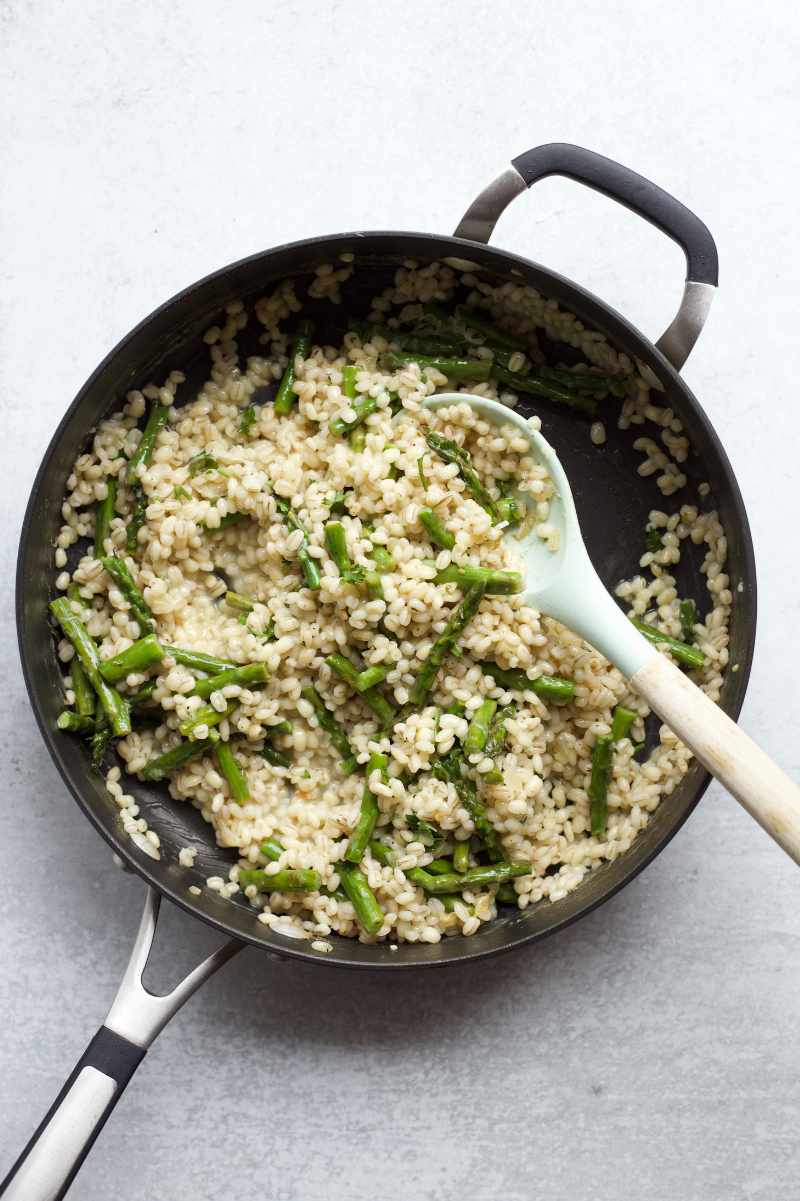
633, 191
50, 1161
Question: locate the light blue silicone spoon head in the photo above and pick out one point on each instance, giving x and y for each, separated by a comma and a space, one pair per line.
561, 582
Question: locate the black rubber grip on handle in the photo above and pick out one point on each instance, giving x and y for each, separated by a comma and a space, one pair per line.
635, 192
114, 1056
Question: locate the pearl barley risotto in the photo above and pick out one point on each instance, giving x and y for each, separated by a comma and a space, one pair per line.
297, 606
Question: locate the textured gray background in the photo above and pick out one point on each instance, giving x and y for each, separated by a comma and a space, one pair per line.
650, 1051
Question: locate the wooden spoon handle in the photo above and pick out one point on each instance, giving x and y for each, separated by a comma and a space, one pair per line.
766, 792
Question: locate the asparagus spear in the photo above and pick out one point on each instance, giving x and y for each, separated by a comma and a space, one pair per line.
228, 765
547, 388
451, 452
361, 897
273, 756
510, 509
461, 856
143, 695
426, 832
114, 707
121, 575
496, 581
381, 852
598, 787
198, 660
171, 760
99, 741
690, 656
621, 723
285, 397
602, 752
476, 877
369, 812
585, 381
202, 462
106, 509
382, 709
407, 341
245, 677
687, 610
329, 724
272, 849
84, 693
242, 604
384, 563
495, 742
308, 564
506, 895
363, 406
478, 730
138, 657
444, 644
435, 530
290, 879
336, 542
76, 723
453, 368
549, 688
439, 867
206, 715
156, 420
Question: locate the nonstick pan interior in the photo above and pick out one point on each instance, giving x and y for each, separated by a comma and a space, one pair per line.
613, 503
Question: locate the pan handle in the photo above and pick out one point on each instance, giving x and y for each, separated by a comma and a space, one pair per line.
636, 193
50, 1162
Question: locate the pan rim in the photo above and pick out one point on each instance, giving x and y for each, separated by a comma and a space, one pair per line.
115, 836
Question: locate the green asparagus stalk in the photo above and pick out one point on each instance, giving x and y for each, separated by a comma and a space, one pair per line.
329, 724
440, 867
368, 816
247, 676
461, 856
76, 723
435, 530
198, 660
241, 604
496, 581
506, 895
546, 388
84, 693
120, 573
454, 368
206, 715
171, 760
114, 707
361, 897
370, 696
384, 563
598, 787
690, 656
510, 509
105, 511
363, 406
549, 688
143, 696
285, 397
336, 542
273, 756
290, 879
478, 730
495, 743
451, 452
380, 852
229, 766
272, 849
138, 657
99, 741
444, 644
621, 723
476, 877
307, 563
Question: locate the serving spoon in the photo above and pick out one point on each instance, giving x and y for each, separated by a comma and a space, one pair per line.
563, 584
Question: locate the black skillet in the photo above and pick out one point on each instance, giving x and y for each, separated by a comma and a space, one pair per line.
603, 482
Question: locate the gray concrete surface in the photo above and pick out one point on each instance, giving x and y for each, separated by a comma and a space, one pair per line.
650, 1051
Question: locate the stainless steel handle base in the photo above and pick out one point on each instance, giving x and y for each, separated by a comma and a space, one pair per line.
50, 1161
636, 193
